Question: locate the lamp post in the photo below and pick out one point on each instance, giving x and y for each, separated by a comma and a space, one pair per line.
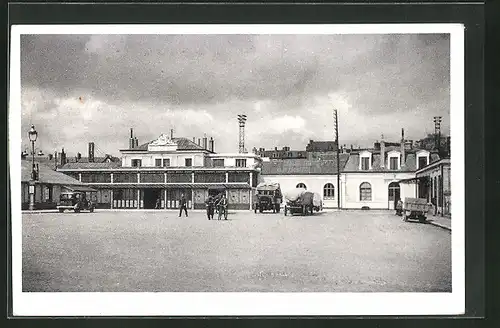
32, 134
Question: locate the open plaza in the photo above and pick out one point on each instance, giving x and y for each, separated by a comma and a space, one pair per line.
156, 251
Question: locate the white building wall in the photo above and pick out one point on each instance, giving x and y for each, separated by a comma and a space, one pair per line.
176, 160
314, 183
380, 189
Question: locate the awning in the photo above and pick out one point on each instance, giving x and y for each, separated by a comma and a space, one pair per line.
414, 180
172, 185
80, 188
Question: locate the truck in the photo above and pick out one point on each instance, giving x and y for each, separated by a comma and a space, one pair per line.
416, 209
301, 201
268, 197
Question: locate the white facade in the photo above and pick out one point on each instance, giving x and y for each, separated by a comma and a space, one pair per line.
237, 159
350, 187
176, 159
379, 183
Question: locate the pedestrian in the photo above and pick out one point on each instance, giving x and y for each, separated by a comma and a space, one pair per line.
399, 207
158, 203
210, 207
183, 205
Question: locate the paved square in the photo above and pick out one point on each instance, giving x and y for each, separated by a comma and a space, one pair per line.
158, 251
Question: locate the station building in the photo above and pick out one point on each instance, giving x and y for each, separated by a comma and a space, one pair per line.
160, 171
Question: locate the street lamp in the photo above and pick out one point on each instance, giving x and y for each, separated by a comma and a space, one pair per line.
32, 134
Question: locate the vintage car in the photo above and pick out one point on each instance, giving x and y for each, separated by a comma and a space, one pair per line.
301, 201
268, 197
416, 209
76, 201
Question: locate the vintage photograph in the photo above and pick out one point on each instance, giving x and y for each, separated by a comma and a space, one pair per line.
208, 162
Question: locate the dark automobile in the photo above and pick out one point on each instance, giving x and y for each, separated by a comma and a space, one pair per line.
268, 197
76, 201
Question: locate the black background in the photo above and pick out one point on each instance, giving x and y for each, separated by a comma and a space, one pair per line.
479, 124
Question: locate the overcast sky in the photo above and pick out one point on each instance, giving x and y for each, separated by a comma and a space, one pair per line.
82, 88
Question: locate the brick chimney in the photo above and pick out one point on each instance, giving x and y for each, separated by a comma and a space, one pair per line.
136, 142
382, 152
91, 152
205, 144
211, 144
131, 142
403, 152
63, 157
199, 142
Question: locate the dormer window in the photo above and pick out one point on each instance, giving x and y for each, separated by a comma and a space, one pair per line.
422, 159
365, 161
394, 159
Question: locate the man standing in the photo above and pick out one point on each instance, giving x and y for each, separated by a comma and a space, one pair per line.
210, 207
183, 205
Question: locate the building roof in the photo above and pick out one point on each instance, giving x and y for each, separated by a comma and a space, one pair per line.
87, 165
303, 166
410, 163
96, 159
47, 175
182, 144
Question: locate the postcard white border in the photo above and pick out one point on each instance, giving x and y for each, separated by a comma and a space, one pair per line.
241, 304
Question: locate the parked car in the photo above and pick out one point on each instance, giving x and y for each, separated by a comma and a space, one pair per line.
268, 197
301, 201
76, 201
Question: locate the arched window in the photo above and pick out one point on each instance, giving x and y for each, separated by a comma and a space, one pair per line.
365, 192
301, 185
394, 191
328, 191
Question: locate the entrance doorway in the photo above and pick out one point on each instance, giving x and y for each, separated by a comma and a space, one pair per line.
150, 197
394, 194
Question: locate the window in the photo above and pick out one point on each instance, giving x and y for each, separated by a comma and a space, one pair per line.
365, 163
422, 161
188, 162
301, 185
393, 163
241, 162
365, 192
158, 162
136, 163
219, 162
394, 191
329, 191
166, 162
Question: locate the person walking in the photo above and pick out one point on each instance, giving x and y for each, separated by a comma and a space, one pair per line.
210, 207
183, 205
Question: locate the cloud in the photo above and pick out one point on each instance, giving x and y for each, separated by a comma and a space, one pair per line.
288, 86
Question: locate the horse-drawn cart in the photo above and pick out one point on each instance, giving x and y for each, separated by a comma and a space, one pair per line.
416, 209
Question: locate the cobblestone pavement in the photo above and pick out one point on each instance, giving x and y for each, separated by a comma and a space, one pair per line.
349, 251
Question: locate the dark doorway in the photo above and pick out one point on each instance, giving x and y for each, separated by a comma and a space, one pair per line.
394, 194
150, 198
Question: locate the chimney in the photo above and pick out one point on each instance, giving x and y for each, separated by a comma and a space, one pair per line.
194, 140
211, 144
91, 152
199, 142
55, 160
205, 143
63, 157
136, 142
131, 143
382, 152
403, 153
171, 133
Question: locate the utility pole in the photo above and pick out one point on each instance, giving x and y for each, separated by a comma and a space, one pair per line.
336, 121
437, 133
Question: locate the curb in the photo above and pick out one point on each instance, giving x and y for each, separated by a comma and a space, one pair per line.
442, 226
